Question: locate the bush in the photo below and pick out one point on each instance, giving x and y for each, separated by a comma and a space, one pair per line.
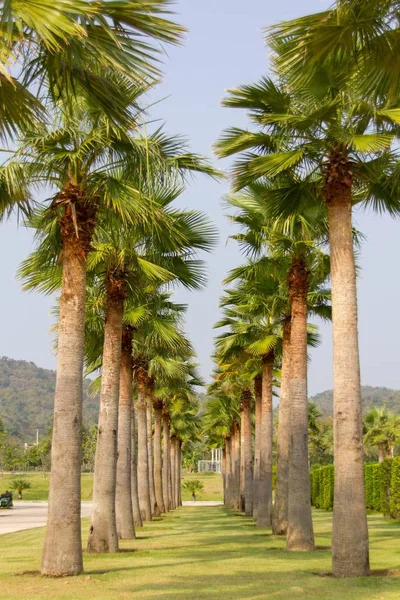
194, 486
386, 474
19, 485
377, 486
382, 487
322, 486
368, 478
394, 502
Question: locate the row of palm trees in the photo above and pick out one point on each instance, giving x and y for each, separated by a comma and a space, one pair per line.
74, 79
323, 136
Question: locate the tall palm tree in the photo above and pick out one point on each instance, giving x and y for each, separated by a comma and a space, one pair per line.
68, 47
382, 429
120, 258
222, 409
356, 37
341, 145
96, 167
254, 335
278, 244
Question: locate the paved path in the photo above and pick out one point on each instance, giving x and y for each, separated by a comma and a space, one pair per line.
28, 515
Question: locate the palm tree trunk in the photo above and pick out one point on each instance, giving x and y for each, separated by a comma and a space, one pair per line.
123, 503
381, 453
300, 535
137, 517
280, 508
158, 483
166, 461
143, 453
236, 467
170, 468
178, 472
228, 472
149, 412
242, 464
256, 475
62, 554
103, 530
350, 548
247, 453
173, 471
223, 469
264, 505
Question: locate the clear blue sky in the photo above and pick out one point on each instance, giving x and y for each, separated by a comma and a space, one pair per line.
224, 48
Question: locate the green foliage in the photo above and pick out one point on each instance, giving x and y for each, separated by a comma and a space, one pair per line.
19, 485
369, 483
27, 398
89, 440
194, 486
382, 487
370, 397
386, 474
322, 487
377, 487
395, 489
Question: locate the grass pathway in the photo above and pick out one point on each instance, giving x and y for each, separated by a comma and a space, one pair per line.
202, 553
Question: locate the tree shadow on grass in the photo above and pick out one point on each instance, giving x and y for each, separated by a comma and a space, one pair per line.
250, 585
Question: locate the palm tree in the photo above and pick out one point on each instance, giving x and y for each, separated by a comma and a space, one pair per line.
356, 37
254, 334
120, 258
71, 47
279, 245
158, 342
222, 409
96, 166
341, 145
124, 500
172, 383
382, 429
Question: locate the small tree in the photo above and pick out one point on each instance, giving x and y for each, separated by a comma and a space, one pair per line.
194, 486
19, 485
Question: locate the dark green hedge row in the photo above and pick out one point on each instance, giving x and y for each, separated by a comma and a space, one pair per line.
322, 483
382, 487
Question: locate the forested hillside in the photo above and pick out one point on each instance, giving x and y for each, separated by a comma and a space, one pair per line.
371, 396
27, 396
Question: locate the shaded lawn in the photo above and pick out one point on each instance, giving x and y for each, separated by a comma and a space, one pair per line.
40, 485
207, 554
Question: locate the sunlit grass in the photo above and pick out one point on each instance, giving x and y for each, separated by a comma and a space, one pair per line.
206, 554
40, 485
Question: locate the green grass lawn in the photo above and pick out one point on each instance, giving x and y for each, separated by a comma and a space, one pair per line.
212, 486
203, 554
40, 485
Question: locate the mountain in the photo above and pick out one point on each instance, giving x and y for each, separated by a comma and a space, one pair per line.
27, 396
370, 396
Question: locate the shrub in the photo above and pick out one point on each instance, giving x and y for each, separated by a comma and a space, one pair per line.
395, 489
322, 486
327, 487
194, 486
19, 485
377, 486
369, 484
386, 473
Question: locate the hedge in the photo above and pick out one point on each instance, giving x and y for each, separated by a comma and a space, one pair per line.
322, 483
382, 487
